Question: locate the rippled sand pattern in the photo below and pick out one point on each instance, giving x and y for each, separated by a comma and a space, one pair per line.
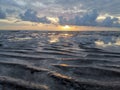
42, 60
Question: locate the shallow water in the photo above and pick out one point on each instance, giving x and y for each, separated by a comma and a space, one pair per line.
49, 60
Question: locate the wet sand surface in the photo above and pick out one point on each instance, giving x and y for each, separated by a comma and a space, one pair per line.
44, 60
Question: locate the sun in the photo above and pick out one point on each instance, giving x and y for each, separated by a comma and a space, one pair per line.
66, 27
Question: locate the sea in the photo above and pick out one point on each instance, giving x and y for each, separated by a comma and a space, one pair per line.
59, 60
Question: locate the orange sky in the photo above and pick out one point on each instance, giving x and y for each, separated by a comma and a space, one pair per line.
26, 25
54, 28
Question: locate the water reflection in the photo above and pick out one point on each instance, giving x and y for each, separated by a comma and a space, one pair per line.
54, 38
20, 39
64, 65
115, 42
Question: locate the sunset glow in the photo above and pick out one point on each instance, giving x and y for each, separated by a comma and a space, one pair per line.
60, 44
59, 15
66, 27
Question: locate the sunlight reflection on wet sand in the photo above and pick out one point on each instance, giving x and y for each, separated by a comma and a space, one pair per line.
56, 38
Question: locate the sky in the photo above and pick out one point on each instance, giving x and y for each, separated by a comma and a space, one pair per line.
60, 14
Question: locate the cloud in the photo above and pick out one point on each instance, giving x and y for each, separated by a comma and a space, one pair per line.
90, 19
104, 6
52, 6
62, 20
7, 4
58, 7
110, 22
71, 12
87, 19
2, 14
31, 15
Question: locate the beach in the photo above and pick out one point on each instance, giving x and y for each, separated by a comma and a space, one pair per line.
59, 60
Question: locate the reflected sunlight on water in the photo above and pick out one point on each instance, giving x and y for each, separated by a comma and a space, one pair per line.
56, 38
64, 65
101, 43
20, 39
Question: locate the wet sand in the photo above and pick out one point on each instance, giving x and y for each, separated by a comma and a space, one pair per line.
42, 60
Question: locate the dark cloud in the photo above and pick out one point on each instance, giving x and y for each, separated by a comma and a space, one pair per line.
62, 20
85, 20
2, 14
110, 22
31, 15
90, 19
